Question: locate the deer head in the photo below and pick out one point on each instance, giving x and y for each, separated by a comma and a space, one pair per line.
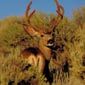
43, 36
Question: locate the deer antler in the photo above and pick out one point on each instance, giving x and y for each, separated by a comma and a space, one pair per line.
27, 15
60, 12
29, 29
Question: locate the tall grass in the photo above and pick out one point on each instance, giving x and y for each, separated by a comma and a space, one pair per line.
11, 65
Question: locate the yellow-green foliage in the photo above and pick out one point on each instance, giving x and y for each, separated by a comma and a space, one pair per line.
72, 36
11, 69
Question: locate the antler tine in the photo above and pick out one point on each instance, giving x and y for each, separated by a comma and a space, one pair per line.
60, 12
27, 15
60, 9
32, 13
57, 4
28, 8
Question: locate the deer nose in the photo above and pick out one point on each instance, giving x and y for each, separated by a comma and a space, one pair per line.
50, 43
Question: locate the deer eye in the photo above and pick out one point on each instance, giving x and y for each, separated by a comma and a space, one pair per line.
42, 35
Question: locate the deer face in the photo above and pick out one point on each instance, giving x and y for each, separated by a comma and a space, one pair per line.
45, 40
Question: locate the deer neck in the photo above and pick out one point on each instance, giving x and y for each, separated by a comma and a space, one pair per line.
45, 50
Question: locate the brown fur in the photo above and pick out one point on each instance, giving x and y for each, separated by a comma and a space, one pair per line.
34, 57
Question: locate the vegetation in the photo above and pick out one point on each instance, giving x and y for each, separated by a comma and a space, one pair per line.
13, 39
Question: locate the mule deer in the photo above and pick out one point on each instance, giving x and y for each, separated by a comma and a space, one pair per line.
41, 55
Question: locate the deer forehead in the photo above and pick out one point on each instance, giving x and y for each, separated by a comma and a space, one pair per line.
47, 37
